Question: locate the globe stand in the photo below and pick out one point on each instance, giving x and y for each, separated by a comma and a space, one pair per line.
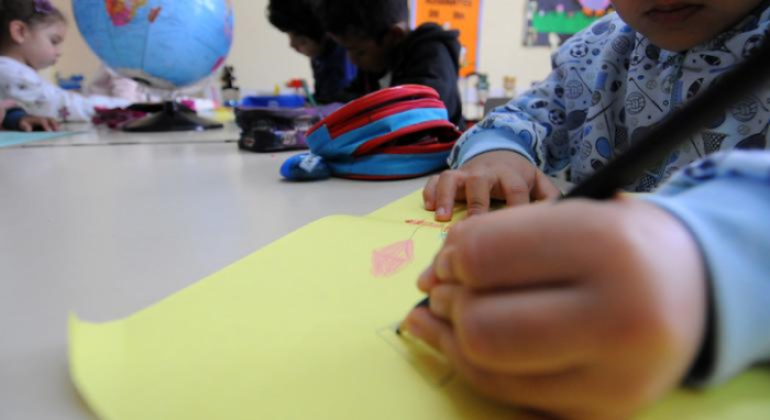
171, 119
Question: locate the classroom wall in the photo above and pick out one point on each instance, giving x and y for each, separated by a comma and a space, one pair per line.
262, 57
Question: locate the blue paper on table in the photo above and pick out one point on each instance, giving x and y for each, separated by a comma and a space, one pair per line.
16, 138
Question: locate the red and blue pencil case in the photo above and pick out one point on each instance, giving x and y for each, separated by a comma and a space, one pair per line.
396, 133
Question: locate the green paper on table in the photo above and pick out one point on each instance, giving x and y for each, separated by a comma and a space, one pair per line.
17, 138
305, 328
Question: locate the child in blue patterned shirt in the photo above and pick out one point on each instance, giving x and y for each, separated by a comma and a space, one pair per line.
610, 84
594, 310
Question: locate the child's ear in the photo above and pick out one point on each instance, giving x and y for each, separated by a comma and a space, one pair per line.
19, 31
396, 34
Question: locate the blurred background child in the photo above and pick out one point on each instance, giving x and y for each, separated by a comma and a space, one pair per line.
380, 43
31, 32
332, 70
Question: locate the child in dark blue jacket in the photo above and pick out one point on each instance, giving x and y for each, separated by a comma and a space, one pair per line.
332, 70
389, 53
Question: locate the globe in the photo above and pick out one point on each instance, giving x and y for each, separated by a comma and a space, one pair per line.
166, 44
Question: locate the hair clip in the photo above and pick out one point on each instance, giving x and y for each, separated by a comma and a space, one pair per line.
43, 7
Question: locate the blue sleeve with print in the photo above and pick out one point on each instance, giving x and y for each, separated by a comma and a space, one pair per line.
13, 118
546, 123
609, 87
520, 126
724, 200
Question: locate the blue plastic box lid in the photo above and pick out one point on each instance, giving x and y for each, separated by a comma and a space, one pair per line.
281, 101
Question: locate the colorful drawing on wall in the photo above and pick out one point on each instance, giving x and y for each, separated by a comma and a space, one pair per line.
460, 15
549, 20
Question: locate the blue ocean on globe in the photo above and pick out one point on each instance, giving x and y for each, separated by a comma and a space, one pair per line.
168, 44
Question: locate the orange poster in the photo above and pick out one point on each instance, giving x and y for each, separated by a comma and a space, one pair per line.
461, 15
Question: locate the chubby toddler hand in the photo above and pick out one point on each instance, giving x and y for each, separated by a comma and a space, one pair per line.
577, 309
30, 122
500, 175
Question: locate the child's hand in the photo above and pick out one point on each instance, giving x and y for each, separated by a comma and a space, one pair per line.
125, 88
501, 175
30, 122
5, 105
581, 310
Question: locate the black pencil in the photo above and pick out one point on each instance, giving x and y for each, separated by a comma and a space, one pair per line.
664, 139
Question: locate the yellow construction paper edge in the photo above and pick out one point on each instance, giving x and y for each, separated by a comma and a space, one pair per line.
304, 328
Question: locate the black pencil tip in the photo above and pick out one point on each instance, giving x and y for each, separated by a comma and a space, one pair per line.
425, 303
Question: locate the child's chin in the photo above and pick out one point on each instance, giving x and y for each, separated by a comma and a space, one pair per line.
677, 44
42, 66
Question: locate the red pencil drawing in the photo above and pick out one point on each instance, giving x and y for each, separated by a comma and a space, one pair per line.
393, 258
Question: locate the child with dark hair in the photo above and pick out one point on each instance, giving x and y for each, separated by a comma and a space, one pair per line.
377, 36
332, 70
16, 119
31, 32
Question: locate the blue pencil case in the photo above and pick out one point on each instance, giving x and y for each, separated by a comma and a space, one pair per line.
396, 133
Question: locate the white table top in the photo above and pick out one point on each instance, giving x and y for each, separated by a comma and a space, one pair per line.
106, 230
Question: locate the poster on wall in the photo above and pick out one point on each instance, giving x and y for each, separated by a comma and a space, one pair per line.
460, 15
551, 22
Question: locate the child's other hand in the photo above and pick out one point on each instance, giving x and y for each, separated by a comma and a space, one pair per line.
5, 105
500, 175
125, 88
30, 122
581, 310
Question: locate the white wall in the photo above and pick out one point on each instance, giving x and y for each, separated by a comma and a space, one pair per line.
262, 57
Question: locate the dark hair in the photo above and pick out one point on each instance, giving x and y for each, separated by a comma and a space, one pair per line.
296, 16
367, 18
31, 12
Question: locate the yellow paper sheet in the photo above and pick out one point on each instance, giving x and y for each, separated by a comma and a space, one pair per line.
304, 329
